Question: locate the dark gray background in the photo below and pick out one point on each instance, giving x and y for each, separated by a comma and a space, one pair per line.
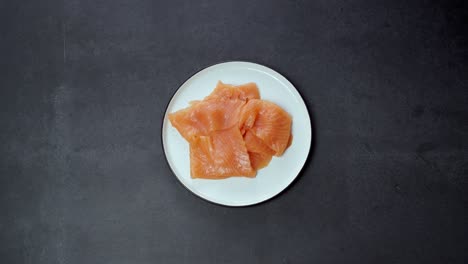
84, 85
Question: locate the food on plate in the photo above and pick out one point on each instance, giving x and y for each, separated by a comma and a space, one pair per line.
232, 132
222, 154
268, 122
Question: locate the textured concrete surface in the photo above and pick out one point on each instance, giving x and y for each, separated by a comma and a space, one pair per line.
83, 89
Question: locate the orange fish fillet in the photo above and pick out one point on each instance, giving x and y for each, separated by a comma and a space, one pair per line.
206, 116
260, 154
232, 132
259, 160
268, 122
228, 91
254, 144
222, 154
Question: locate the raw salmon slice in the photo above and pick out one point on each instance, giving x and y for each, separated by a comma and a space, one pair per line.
260, 154
204, 117
254, 144
231, 132
268, 122
220, 155
228, 91
259, 160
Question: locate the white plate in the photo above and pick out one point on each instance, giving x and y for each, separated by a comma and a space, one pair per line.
270, 181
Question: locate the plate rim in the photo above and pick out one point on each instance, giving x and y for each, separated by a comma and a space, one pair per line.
255, 65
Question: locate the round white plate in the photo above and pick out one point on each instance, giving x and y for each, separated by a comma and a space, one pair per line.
270, 181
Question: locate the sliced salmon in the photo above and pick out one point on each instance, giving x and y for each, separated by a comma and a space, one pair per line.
220, 155
259, 160
260, 154
203, 117
268, 122
228, 91
255, 144
232, 132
